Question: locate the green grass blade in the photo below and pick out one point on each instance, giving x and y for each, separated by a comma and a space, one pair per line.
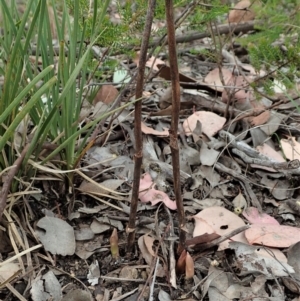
25, 110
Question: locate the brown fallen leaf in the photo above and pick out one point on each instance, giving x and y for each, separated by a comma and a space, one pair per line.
260, 119
242, 12
107, 94
213, 78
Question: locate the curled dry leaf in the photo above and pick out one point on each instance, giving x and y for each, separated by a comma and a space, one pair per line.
147, 130
149, 194
114, 244
189, 266
145, 244
94, 273
181, 262
260, 119
239, 203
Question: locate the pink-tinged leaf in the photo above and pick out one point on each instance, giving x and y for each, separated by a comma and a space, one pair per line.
268, 151
148, 130
213, 78
271, 235
211, 123
149, 194
242, 12
254, 217
218, 220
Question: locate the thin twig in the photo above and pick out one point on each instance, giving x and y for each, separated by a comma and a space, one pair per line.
174, 74
138, 156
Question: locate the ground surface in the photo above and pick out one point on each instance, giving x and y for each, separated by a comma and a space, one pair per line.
239, 165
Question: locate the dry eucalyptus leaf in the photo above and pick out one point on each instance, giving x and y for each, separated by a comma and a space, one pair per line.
208, 156
211, 123
279, 188
240, 93
273, 235
210, 175
107, 94
260, 119
7, 270
149, 194
272, 125
163, 296
46, 288
293, 255
220, 221
255, 217
147, 130
291, 148
94, 273
257, 260
129, 272
213, 78
84, 233
100, 154
190, 154
241, 13
152, 61
147, 255
81, 250
93, 210
56, 235
270, 152
99, 227
103, 188
239, 203
78, 295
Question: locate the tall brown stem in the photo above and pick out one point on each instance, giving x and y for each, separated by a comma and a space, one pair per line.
138, 156
175, 120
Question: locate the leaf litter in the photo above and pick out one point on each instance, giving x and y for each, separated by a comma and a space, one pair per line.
234, 170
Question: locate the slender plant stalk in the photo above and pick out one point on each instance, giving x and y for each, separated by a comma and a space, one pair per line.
7, 183
174, 122
138, 156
